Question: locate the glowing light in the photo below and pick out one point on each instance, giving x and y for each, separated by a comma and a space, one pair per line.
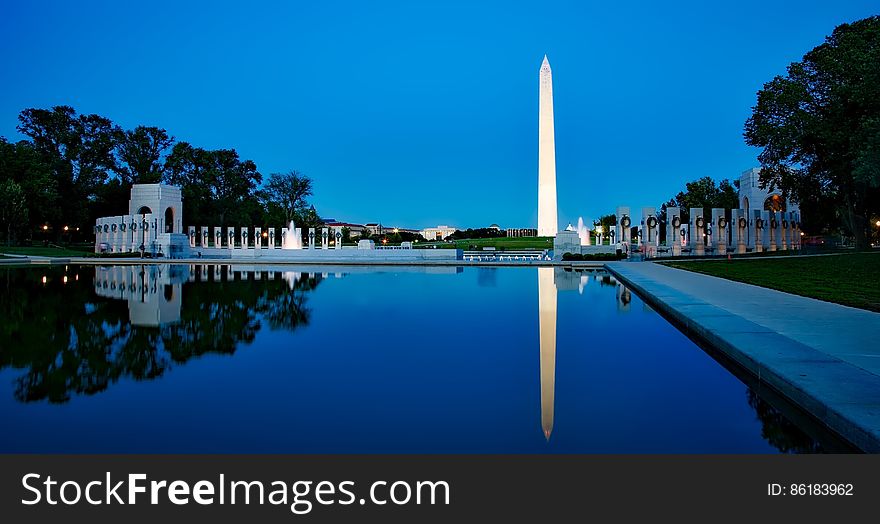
265, 234
396, 230
64, 279
877, 223
44, 279
45, 228
66, 228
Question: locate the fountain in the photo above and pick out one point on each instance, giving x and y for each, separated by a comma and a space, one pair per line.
583, 232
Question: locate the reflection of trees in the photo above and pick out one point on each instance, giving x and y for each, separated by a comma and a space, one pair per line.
71, 342
779, 431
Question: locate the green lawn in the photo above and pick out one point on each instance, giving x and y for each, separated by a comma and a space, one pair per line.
852, 279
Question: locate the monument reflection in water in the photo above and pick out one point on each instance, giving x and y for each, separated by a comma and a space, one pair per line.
370, 360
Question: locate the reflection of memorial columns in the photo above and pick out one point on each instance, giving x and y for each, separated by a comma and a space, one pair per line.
547, 337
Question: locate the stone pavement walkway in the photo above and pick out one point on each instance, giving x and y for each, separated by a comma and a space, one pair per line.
824, 357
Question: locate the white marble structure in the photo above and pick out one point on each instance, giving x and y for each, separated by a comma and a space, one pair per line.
153, 223
547, 215
753, 198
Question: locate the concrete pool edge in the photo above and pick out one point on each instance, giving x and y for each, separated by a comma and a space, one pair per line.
843, 397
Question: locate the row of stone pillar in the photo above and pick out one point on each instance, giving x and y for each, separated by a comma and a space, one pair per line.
126, 233
758, 230
257, 238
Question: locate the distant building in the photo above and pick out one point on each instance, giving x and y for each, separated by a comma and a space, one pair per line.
496, 227
521, 232
354, 229
437, 233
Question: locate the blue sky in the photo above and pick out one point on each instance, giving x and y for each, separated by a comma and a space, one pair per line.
419, 113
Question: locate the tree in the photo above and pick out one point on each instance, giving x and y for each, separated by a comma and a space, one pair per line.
13, 209
217, 186
706, 194
309, 218
22, 163
288, 191
79, 151
140, 152
819, 126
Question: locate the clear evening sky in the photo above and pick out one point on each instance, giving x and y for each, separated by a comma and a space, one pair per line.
417, 113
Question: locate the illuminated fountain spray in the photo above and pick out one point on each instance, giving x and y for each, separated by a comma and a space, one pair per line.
583, 232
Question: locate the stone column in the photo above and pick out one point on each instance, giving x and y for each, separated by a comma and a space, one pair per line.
719, 230
311, 238
698, 226
245, 241
218, 237
272, 237
757, 228
123, 234
741, 223
191, 232
338, 238
258, 238
325, 238
774, 230
205, 237
622, 233
230, 237
673, 230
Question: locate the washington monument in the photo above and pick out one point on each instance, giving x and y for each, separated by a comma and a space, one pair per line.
547, 216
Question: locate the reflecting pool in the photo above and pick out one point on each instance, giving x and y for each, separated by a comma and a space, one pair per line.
254, 359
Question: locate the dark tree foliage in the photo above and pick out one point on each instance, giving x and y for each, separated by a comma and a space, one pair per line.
483, 232
703, 193
140, 154
819, 128
74, 168
288, 192
64, 349
218, 187
78, 150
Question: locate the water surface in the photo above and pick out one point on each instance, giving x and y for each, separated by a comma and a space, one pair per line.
257, 359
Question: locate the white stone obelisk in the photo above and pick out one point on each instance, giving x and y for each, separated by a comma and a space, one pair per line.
547, 217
